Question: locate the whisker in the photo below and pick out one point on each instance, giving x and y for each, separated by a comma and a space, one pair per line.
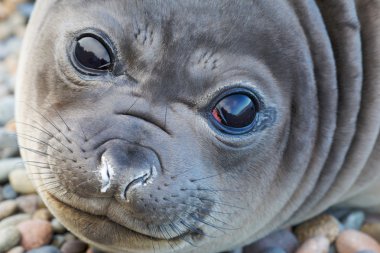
43, 131
38, 152
133, 104
64, 122
219, 203
211, 190
36, 140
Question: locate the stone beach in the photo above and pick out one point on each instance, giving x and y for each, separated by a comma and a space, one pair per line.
26, 225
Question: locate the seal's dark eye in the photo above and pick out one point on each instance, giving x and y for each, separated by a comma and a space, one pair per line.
235, 112
92, 54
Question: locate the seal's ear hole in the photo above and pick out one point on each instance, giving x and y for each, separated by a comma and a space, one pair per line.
235, 113
92, 54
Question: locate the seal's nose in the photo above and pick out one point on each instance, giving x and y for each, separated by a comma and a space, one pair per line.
126, 168
143, 180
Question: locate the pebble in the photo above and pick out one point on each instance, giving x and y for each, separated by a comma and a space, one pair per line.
26, 9
352, 241
9, 238
318, 244
14, 220
35, 233
8, 165
372, 229
74, 246
372, 218
7, 139
9, 47
284, 239
8, 192
94, 250
8, 144
43, 214
58, 240
58, 227
7, 105
339, 213
354, 220
11, 25
323, 225
17, 249
273, 250
45, 249
20, 182
7, 208
69, 237
28, 203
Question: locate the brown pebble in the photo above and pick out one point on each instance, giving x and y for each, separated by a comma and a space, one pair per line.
318, 244
352, 241
324, 225
18, 249
35, 233
28, 203
42, 214
11, 126
74, 246
372, 229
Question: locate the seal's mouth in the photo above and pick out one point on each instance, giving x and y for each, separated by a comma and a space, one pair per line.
186, 236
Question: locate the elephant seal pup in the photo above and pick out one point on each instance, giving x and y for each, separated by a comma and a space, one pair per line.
199, 126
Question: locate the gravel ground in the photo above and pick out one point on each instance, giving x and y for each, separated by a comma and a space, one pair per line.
26, 225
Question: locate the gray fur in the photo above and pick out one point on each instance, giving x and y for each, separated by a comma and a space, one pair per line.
315, 66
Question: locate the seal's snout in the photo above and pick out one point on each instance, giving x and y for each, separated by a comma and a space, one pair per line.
125, 167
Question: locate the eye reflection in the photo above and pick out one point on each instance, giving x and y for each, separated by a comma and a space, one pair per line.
92, 54
235, 111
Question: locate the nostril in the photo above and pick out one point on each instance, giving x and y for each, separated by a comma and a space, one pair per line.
140, 181
106, 173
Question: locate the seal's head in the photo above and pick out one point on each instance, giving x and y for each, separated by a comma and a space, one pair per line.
153, 126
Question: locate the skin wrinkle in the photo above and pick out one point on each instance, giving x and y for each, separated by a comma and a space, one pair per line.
307, 61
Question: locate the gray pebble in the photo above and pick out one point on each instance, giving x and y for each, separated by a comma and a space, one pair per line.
45, 249
7, 105
8, 144
332, 249
9, 238
25, 9
283, 239
8, 192
14, 220
7, 138
273, 250
8, 165
58, 228
9, 46
58, 240
354, 220
339, 213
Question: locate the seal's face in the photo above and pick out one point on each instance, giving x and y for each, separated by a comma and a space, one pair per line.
163, 126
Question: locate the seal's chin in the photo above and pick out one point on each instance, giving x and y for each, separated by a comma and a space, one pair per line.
87, 226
